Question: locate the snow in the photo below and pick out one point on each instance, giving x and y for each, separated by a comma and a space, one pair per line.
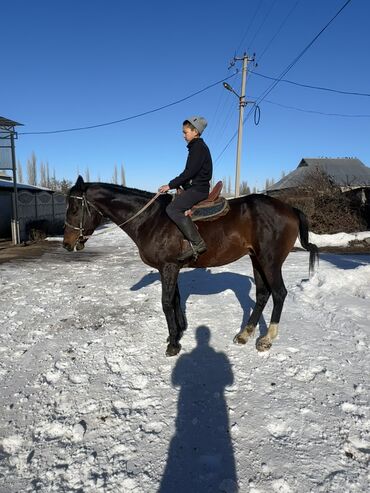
91, 404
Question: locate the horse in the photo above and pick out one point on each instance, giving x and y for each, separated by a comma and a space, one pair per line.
256, 225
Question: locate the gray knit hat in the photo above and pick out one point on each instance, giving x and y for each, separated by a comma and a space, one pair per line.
198, 122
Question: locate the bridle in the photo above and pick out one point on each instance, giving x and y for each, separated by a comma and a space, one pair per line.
87, 204
85, 207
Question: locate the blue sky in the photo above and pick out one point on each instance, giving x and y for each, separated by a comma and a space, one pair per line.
68, 64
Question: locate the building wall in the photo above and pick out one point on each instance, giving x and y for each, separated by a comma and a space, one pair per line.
5, 215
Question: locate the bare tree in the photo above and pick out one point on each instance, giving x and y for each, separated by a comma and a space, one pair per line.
19, 172
87, 174
64, 186
123, 176
269, 182
229, 185
31, 170
115, 175
47, 174
328, 209
43, 181
244, 188
224, 185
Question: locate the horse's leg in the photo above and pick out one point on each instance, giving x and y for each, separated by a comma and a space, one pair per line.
279, 292
263, 292
180, 315
169, 274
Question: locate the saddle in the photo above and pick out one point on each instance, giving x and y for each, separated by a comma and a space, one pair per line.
210, 209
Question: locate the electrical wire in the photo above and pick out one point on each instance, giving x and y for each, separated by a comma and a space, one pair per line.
278, 31
317, 112
132, 117
351, 93
262, 24
285, 71
259, 5
298, 57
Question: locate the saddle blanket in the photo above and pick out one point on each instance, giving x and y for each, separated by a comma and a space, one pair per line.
209, 211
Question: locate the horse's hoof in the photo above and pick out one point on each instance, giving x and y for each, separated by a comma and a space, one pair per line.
263, 344
173, 350
239, 339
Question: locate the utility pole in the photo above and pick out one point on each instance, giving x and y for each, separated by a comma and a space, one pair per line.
242, 104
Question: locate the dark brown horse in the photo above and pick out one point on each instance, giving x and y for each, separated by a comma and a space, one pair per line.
260, 226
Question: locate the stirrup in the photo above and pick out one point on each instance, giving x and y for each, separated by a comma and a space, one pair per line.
191, 253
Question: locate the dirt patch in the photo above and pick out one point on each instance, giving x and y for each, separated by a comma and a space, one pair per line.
9, 252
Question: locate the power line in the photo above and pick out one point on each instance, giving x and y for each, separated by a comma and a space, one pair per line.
278, 30
132, 117
351, 93
344, 115
285, 71
298, 57
259, 5
317, 112
262, 24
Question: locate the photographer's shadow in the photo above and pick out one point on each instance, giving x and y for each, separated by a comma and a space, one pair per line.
200, 457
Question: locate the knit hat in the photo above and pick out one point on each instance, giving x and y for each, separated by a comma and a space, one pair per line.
198, 122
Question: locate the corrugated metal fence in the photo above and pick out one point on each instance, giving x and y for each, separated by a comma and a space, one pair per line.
40, 211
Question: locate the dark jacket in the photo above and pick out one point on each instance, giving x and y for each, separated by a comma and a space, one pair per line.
198, 170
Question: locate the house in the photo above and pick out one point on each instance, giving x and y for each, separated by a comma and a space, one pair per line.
302, 186
347, 173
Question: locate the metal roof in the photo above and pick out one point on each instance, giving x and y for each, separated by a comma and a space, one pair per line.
345, 172
5, 122
9, 185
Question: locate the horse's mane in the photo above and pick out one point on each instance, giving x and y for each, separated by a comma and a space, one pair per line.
126, 190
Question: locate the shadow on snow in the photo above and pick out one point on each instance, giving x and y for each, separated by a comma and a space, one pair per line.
345, 261
200, 456
205, 282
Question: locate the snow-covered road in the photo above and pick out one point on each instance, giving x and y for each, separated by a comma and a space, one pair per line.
90, 404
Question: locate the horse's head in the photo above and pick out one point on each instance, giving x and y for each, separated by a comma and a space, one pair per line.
82, 217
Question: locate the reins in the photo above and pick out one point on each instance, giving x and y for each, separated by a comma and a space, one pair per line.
86, 203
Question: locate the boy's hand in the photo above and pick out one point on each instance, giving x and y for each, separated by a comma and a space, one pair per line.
163, 189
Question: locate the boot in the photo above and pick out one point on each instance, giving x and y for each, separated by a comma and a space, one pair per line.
197, 244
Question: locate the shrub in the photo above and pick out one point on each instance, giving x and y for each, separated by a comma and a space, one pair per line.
328, 209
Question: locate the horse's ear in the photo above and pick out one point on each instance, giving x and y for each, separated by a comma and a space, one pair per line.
80, 184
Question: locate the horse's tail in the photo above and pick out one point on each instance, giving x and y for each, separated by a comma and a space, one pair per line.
303, 236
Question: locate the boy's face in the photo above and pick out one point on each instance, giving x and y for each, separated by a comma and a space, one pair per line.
189, 133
